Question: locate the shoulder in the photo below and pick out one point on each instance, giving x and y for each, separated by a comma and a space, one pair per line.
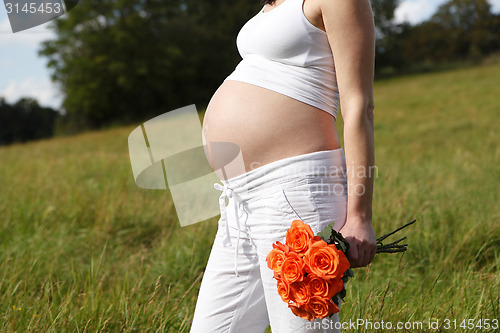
351, 20
346, 11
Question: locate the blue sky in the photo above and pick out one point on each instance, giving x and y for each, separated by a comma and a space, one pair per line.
23, 73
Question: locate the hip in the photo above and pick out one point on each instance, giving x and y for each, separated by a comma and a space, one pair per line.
311, 187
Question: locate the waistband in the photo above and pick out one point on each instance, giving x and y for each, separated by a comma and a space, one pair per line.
274, 174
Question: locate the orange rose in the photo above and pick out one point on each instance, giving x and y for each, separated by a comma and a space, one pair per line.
316, 239
324, 288
302, 312
335, 286
283, 290
325, 260
292, 268
300, 292
322, 307
276, 257
298, 236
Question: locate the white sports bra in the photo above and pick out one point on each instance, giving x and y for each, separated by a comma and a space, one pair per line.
284, 52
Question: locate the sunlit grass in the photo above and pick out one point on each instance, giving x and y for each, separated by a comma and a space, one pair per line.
83, 249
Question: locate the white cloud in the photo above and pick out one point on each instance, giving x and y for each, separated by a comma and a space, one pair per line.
495, 5
416, 11
31, 37
43, 90
5, 25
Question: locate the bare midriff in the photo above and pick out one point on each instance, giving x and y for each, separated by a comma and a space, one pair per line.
267, 126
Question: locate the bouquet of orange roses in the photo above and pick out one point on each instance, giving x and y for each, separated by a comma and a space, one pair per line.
311, 271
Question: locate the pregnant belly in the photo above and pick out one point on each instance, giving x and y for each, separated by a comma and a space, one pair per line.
265, 125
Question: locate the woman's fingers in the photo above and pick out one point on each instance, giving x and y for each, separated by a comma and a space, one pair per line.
353, 251
362, 242
361, 253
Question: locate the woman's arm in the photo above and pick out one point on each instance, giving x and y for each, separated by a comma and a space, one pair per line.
351, 33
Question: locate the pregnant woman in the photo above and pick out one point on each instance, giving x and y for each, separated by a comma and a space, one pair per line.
301, 59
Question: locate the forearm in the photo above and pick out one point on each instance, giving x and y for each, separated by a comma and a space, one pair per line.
360, 161
351, 32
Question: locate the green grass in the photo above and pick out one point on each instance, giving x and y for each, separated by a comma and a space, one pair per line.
83, 249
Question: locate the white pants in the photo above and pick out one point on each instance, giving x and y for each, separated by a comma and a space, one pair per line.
238, 292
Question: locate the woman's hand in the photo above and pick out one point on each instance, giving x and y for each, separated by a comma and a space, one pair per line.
362, 241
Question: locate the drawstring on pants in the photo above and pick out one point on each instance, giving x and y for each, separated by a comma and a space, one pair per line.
229, 193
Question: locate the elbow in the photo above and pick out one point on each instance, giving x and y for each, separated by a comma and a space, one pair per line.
370, 109
361, 109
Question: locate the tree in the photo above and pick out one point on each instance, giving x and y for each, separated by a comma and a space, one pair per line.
459, 30
388, 47
469, 24
123, 61
383, 13
25, 120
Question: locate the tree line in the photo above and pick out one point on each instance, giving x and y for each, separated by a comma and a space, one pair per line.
126, 61
25, 120
460, 30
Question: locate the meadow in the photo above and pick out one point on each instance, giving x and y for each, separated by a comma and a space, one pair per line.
84, 249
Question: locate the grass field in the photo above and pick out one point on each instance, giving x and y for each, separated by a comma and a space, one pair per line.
83, 249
